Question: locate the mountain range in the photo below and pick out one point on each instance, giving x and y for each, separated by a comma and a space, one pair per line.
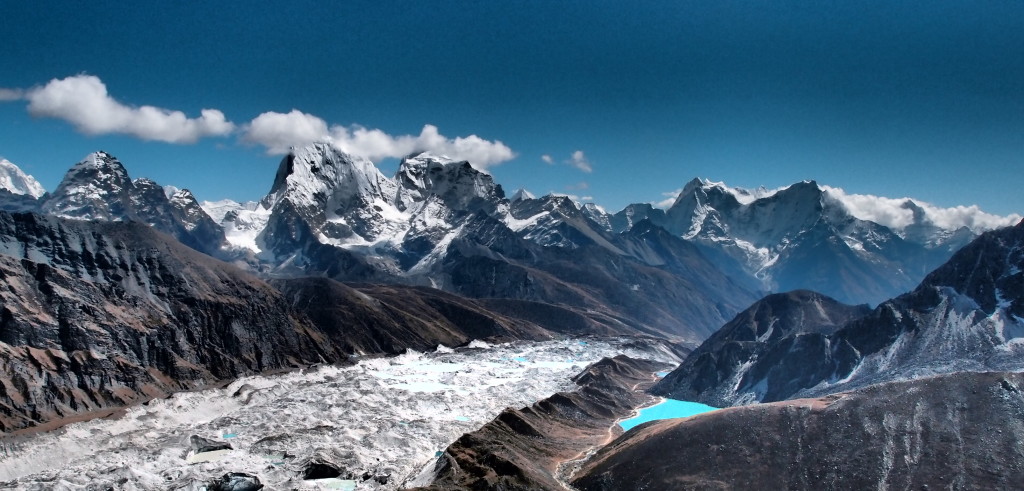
836, 326
680, 272
966, 315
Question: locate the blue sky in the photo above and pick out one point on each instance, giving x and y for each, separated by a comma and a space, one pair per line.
921, 99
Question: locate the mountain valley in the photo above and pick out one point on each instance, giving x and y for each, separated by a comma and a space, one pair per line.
135, 315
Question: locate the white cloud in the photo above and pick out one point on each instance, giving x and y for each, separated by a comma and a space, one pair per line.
579, 161
83, 101
11, 94
670, 199
547, 159
278, 131
896, 214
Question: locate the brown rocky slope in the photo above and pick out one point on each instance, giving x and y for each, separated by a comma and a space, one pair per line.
958, 431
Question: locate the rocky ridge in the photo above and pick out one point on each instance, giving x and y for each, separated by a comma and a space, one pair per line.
967, 315
960, 431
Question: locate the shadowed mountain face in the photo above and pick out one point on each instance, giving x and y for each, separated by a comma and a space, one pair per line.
101, 314
366, 319
957, 431
966, 315
720, 363
98, 315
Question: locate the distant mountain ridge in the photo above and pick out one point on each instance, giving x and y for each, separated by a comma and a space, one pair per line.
443, 223
967, 315
803, 237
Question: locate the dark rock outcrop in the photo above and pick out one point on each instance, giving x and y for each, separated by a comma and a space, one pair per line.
236, 481
198, 444
957, 431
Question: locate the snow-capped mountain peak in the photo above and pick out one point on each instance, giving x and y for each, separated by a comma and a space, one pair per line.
459, 185
741, 195
521, 194
97, 187
321, 174
13, 179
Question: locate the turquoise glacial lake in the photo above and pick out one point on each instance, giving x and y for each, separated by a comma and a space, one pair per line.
669, 409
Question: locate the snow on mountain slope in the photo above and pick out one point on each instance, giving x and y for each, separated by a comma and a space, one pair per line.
457, 183
967, 315
242, 222
521, 194
858, 249
13, 179
381, 420
98, 187
559, 221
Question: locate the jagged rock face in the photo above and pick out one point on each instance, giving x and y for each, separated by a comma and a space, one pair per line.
960, 431
178, 215
557, 221
456, 183
98, 188
337, 196
720, 362
801, 238
966, 315
99, 315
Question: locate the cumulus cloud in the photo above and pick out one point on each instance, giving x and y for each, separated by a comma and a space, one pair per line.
670, 199
579, 161
898, 213
278, 131
83, 101
11, 94
547, 159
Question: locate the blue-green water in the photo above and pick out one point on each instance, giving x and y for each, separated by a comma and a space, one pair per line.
669, 409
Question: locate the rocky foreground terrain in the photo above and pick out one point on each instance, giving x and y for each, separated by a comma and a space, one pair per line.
533, 447
957, 431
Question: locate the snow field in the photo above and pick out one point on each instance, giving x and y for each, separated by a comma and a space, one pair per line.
381, 421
